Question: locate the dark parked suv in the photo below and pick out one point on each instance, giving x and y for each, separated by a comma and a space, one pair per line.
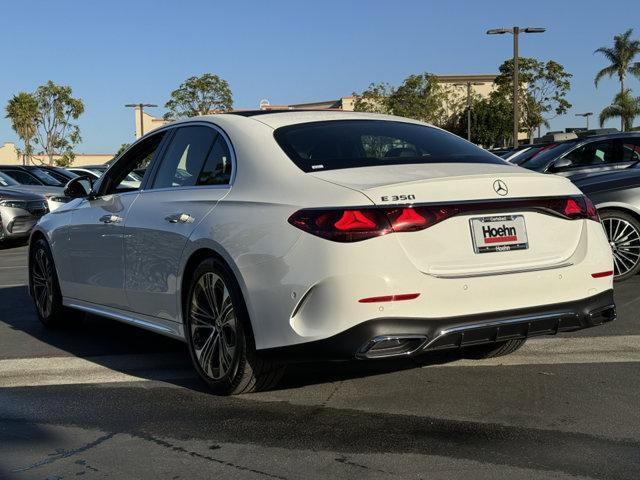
587, 155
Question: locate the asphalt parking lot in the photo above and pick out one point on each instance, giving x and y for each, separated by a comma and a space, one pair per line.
104, 400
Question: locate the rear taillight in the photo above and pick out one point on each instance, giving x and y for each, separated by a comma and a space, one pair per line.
343, 225
356, 224
574, 208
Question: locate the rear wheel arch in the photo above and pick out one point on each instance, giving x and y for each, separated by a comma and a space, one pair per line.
632, 217
195, 259
620, 209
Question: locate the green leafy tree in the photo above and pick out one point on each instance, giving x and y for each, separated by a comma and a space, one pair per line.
419, 96
22, 111
55, 132
122, 148
199, 96
374, 99
621, 61
491, 121
624, 106
543, 90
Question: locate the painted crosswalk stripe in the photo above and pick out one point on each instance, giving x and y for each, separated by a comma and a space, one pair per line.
26, 372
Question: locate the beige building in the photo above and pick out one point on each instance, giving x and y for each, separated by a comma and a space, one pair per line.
9, 155
149, 122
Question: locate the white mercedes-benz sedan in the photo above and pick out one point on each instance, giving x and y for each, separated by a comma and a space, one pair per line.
264, 237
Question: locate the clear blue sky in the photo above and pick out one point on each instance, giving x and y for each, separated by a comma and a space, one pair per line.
115, 52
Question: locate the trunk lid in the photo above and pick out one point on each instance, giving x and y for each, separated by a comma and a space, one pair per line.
447, 248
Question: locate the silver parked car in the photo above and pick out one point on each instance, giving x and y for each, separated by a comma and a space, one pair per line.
19, 212
54, 195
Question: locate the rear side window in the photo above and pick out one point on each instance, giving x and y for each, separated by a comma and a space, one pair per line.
336, 144
631, 149
217, 168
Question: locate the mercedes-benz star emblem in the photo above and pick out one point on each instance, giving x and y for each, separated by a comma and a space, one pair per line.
500, 187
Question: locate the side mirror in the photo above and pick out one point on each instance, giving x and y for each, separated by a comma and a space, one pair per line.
560, 164
79, 187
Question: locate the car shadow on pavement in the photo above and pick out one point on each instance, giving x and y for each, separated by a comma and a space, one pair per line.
157, 357
13, 243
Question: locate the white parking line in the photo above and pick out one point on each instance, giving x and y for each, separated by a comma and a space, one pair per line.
28, 372
12, 285
559, 350
17, 266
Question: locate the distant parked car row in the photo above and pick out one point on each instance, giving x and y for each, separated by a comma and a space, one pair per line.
606, 168
25, 188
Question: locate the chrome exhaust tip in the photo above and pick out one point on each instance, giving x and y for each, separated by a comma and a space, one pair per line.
386, 346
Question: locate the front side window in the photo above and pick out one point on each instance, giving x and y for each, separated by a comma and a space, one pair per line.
137, 158
592, 154
185, 157
336, 144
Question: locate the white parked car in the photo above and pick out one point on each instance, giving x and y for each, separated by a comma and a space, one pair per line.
94, 172
263, 237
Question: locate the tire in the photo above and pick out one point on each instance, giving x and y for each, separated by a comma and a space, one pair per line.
45, 287
623, 233
492, 350
221, 345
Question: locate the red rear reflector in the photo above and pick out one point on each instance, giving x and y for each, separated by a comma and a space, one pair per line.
390, 298
608, 273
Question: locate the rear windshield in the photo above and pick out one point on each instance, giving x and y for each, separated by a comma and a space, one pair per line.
336, 144
7, 181
46, 178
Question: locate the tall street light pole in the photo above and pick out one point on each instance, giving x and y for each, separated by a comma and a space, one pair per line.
515, 31
141, 107
585, 115
468, 84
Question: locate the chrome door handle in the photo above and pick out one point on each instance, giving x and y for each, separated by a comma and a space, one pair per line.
110, 219
180, 218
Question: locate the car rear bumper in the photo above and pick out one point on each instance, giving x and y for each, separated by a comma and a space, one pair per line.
395, 337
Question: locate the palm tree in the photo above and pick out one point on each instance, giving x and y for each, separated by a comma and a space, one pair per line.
624, 106
621, 56
22, 110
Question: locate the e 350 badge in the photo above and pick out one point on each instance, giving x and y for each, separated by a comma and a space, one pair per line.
397, 198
